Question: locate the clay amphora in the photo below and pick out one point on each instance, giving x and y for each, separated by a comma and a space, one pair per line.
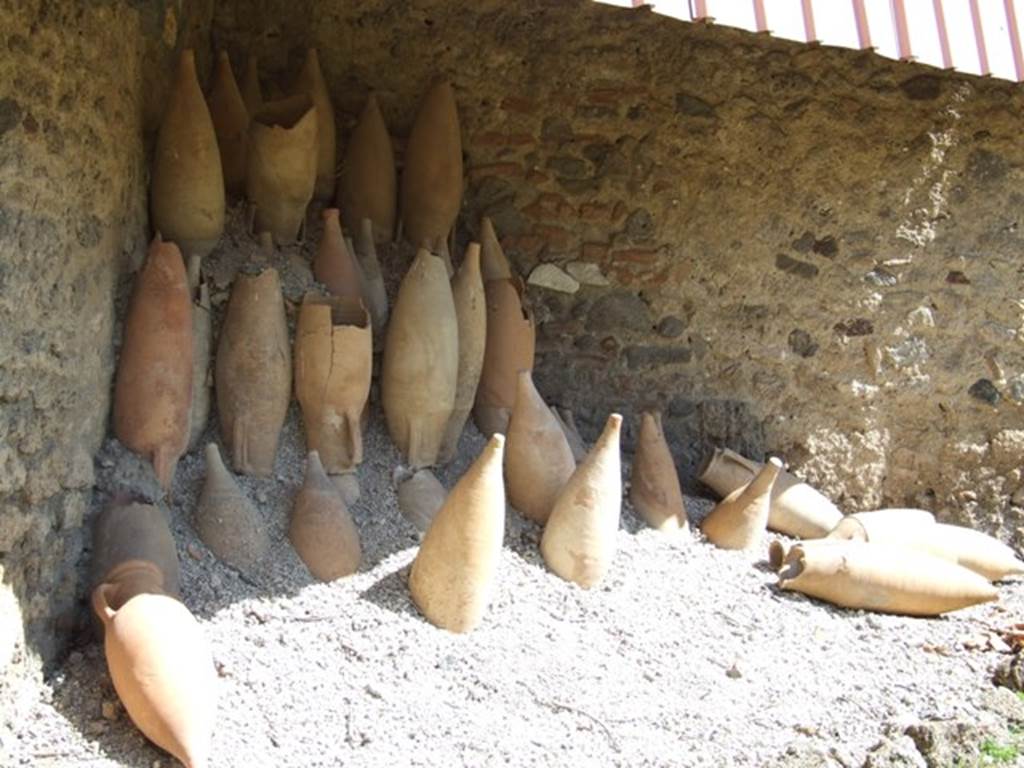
202, 341
654, 483
971, 549
883, 524
493, 264
162, 669
739, 520
432, 176
778, 550
251, 94
226, 520
509, 349
579, 539
880, 577
134, 533
368, 186
230, 124
333, 367
471, 313
538, 460
281, 172
153, 393
334, 264
253, 372
454, 573
420, 495
568, 424
187, 186
311, 83
322, 530
797, 509
374, 292
421, 361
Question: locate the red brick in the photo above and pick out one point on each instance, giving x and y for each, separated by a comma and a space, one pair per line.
529, 244
558, 238
636, 256
495, 169
549, 205
595, 212
596, 253
498, 139
535, 177
612, 96
517, 104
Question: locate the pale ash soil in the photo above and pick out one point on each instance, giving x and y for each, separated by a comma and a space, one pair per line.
685, 655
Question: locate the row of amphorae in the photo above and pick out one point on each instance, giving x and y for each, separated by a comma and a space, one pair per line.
453, 345
281, 154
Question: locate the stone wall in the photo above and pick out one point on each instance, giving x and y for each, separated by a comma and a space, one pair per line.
794, 249
79, 82
791, 249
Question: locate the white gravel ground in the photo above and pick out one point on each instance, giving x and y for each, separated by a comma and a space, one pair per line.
685, 655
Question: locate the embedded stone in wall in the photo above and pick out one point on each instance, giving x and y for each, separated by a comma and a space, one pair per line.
553, 278
586, 273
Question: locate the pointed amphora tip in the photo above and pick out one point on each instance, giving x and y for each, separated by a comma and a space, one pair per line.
213, 459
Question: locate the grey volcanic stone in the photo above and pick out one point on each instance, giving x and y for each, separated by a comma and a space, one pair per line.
619, 311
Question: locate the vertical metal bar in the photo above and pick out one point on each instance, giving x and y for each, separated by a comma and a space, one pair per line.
698, 10
1018, 56
760, 17
899, 18
863, 30
940, 23
809, 32
979, 37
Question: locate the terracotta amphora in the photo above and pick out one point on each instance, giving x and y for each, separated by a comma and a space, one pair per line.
253, 372
252, 96
493, 264
153, 392
977, 551
432, 175
230, 124
471, 313
311, 83
880, 577
132, 532
226, 520
374, 291
421, 361
162, 669
455, 571
281, 172
187, 184
739, 520
579, 539
368, 187
202, 341
882, 523
333, 368
568, 424
334, 264
797, 509
321, 529
654, 483
538, 460
420, 495
511, 337
778, 549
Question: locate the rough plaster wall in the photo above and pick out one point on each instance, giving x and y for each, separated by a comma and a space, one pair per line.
78, 83
811, 251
